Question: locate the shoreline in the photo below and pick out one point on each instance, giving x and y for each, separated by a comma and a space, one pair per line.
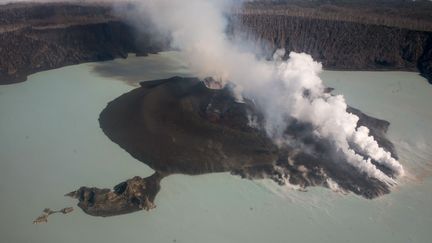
21, 79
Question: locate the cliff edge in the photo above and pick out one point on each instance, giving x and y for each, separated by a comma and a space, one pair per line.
343, 35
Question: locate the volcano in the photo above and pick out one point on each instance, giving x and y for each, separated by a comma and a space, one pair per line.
180, 126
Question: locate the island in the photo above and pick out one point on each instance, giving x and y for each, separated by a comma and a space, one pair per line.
181, 126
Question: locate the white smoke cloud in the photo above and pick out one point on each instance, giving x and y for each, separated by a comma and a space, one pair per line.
197, 27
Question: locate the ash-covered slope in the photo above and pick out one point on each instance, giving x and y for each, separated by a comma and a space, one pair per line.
179, 125
350, 35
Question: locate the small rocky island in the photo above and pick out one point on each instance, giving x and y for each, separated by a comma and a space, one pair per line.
180, 126
43, 218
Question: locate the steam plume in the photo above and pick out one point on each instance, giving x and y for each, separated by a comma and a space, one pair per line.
197, 27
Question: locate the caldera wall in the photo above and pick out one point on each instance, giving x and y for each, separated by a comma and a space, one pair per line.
74, 34
341, 45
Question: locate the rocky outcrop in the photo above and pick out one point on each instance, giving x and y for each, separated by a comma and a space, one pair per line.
129, 196
43, 218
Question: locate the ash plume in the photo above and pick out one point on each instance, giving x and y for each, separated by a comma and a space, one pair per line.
283, 90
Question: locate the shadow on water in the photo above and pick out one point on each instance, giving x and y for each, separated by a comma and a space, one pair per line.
135, 69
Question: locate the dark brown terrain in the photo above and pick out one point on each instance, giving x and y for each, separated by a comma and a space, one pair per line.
36, 37
348, 35
179, 126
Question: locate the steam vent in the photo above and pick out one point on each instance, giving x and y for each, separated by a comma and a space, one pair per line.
179, 125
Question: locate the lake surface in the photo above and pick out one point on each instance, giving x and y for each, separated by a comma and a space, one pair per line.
51, 144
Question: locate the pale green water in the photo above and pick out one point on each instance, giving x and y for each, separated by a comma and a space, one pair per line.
50, 144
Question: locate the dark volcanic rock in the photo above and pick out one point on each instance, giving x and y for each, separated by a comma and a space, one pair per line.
178, 125
129, 196
171, 126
